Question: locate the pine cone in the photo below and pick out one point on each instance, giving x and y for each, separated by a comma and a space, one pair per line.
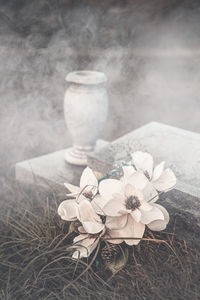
109, 252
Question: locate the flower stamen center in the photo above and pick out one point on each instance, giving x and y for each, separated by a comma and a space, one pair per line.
132, 202
88, 195
147, 175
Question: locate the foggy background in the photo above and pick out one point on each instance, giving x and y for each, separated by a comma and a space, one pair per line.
148, 49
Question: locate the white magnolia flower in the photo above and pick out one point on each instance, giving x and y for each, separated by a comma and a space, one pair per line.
88, 185
70, 210
162, 179
85, 243
128, 206
109, 187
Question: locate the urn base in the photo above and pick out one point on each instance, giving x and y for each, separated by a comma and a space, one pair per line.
78, 155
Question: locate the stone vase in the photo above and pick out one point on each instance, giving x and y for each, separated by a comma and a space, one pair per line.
85, 109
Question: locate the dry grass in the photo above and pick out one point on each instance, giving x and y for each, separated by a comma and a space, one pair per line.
35, 260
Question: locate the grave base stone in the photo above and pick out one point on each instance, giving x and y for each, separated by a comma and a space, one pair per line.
179, 148
50, 171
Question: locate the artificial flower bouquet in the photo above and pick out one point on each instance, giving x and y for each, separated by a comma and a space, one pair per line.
117, 206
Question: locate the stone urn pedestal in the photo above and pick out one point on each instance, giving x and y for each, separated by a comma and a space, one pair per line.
85, 109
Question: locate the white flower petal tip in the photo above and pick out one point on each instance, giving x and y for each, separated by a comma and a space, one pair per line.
84, 246
154, 214
76, 255
88, 181
158, 171
93, 227
143, 161
159, 225
127, 172
116, 222
68, 210
73, 189
166, 181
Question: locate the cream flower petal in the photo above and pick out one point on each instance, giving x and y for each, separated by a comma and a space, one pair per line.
115, 235
138, 229
112, 240
150, 193
125, 211
80, 237
98, 203
154, 214
73, 189
108, 187
129, 191
145, 206
81, 198
127, 172
166, 181
143, 161
116, 222
114, 206
85, 247
78, 254
93, 227
132, 229
159, 225
138, 180
86, 212
86, 244
93, 246
87, 216
68, 210
89, 181
136, 214
158, 171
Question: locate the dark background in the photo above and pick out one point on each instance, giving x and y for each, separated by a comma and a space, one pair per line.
148, 49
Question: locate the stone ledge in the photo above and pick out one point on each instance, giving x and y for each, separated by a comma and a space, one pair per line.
50, 171
179, 148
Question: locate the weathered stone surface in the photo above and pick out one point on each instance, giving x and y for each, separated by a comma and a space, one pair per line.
179, 148
50, 171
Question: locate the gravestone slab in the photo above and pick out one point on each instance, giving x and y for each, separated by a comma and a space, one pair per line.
179, 148
51, 170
